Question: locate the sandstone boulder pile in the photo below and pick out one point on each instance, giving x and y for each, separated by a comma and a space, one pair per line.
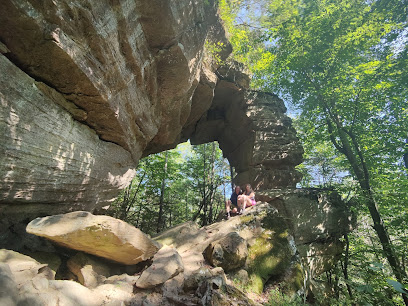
195, 266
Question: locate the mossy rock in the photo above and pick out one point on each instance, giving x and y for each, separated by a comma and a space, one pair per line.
229, 252
230, 295
270, 255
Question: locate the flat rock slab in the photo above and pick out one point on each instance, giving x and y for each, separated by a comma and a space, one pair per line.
167, 263
102, 236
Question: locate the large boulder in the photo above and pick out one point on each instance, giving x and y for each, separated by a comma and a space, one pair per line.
280, 247
103, 236
316, 215
24, 281
167, 263
229, 252
269, 252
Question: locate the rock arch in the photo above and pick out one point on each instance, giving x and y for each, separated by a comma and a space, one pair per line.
89, 89
253, 132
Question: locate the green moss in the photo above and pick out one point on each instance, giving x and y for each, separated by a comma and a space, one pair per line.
267, 257
247, 219
297, 277
278, 298
270, 255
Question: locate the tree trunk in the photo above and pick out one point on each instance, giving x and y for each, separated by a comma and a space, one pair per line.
345, 266
232, 178
210, 214
405, 157
163, 185
125, 203
356, 159
204, 221
138, 215
186, 204
223, 183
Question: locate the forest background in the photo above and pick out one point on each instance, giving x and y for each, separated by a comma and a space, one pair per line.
341, 68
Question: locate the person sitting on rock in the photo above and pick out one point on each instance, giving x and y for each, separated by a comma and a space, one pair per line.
247, 199
233, 201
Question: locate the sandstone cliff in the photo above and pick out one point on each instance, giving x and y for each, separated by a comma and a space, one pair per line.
88, 88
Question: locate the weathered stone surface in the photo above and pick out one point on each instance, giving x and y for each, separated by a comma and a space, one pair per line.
196, 277
214, 276
128, 79
231, 296
257, 228
24, 281
254, 133
46, 157
218, 278
115, 294
183, 236
52, 260
23, 267
276, 240
8, 287
173, 287
229, 252
315, 215
122, 279
319, 257
86, 87
98, 235
167, 263
65, 292
89, 271
317, 220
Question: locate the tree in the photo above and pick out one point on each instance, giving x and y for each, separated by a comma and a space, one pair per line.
207, 173
162, 189
343, 65
173, 187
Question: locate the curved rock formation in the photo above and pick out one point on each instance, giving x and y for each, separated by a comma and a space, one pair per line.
88, 88
253, 132
85, 88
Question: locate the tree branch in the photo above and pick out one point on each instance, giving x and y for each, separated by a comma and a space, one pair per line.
332, 138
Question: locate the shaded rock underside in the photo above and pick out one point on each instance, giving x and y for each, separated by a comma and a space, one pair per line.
89, 88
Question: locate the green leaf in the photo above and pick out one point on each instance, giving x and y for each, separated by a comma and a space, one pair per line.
397, 286
376, 266
365, 288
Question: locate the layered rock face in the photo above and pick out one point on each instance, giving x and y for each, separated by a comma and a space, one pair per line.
85, 88
253, 132
88, 88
